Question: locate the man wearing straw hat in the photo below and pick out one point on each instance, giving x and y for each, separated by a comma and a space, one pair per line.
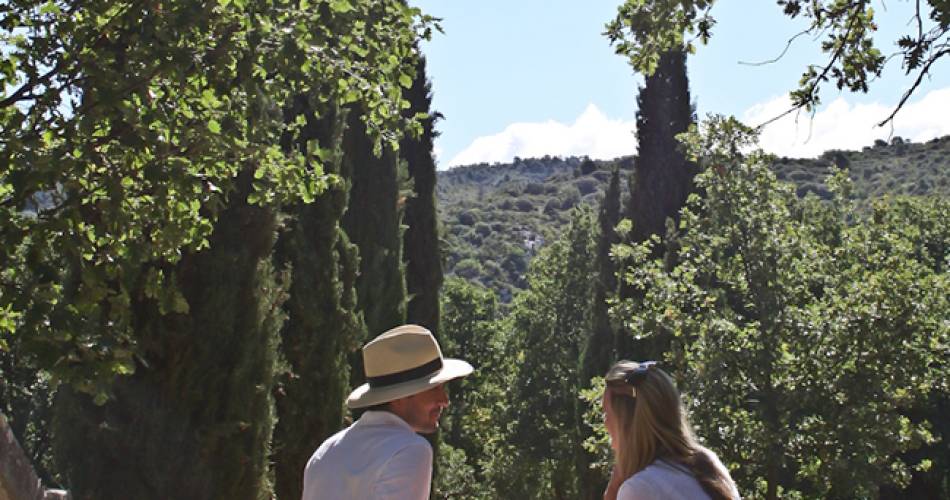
380, 456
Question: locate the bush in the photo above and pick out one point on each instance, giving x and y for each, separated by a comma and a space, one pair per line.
468, 269
522, 205
587, 185
570, 198
587, 167
534, 188
483, 229
468, 217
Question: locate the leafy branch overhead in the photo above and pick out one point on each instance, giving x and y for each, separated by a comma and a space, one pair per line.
124, 127
644, 29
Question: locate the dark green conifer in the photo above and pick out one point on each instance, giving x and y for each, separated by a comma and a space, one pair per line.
550, 322
195, 419
322, 326
662, 178
372, 222
421, 240
598, 353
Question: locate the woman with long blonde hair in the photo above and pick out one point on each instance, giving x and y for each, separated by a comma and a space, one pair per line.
656, 455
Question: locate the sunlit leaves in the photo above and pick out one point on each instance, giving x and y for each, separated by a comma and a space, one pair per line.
644, 29
803, 330
124, 128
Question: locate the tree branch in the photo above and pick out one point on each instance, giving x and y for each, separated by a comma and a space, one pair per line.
25, 92
910, 91
788, 45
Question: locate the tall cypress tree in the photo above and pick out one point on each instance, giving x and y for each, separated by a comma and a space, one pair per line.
423, 260
195, 419
372, 222
421, 240
662, 178
322, 326
598, 353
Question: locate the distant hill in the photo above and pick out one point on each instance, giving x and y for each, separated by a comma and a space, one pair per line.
496, 217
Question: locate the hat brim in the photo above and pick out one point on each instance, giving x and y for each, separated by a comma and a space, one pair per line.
365, 395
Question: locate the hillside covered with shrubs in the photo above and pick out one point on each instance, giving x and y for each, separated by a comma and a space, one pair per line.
495, 217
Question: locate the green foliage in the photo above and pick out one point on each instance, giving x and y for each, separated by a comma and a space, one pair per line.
644, 30
598, 440
806, 335
373, 223
195, 418
489, 195
145, 151
472, 435
421, 240
123, 128
26, 402
551, 322
322, 326
599, 350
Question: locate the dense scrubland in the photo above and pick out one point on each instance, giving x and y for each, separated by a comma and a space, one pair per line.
495, 217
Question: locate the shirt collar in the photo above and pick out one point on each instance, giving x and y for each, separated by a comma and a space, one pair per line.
383, 418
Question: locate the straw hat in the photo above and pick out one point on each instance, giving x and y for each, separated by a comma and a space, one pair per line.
401, 362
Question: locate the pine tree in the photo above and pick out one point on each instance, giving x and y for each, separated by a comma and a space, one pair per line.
195, 419
322, 326
421, 239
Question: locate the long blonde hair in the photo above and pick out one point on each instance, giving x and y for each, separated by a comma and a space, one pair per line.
651, 424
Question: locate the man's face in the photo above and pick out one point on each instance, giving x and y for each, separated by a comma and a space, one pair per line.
422, 411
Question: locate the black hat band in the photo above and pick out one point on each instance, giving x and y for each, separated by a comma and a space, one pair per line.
405, 375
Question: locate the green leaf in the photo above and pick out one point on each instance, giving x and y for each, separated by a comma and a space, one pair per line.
214, 126
341, 6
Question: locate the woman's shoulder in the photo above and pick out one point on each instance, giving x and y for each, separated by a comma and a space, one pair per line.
638, 486
654, 482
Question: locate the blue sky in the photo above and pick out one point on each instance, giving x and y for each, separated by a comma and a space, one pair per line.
533, 77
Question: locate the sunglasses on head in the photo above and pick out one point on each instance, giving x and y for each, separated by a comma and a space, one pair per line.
637, 375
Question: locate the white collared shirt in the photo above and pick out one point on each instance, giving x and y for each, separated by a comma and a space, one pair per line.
379, 457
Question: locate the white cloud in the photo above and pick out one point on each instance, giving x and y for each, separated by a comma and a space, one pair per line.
838, 125
591, 134
841, 125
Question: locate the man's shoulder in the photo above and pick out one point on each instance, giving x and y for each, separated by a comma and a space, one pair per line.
375, 440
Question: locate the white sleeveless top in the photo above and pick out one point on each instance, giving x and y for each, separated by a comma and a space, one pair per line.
662, 480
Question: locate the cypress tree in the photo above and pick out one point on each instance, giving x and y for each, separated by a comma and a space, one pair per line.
423, 260
598, 353
662, 178
372, 223
421, 241
322, 325
195, 419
